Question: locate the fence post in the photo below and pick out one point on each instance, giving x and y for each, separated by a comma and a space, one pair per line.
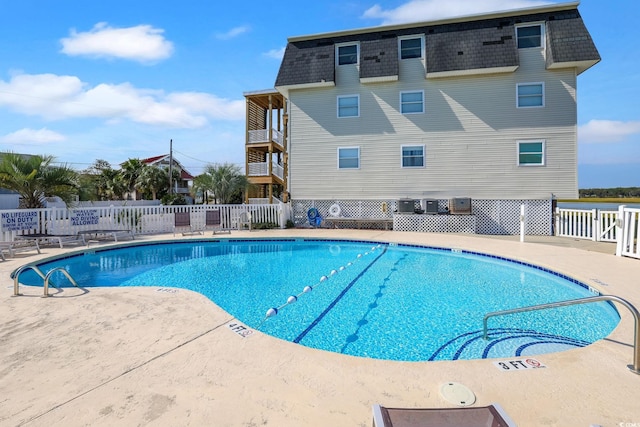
620, 237
595, 225
523, 221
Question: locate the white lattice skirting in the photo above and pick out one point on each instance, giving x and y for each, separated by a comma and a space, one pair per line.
491, 216
435, 223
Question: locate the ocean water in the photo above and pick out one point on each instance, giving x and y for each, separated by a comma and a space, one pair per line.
600, 206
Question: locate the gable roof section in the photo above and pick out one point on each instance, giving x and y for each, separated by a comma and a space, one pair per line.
475, 44
184, 174
152, 160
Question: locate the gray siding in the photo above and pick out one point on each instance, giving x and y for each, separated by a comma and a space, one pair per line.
470, 130
471, 125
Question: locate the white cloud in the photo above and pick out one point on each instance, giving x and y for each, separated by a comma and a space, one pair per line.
32, 136
428, 10
55, 97
275, 53
607, 131
141, 43
209, 105
234, 32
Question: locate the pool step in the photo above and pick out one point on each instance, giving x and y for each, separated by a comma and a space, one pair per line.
504, 342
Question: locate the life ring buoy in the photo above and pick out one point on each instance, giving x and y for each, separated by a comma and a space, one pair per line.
312, 214
335, 210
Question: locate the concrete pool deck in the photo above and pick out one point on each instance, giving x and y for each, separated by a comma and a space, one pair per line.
167, 357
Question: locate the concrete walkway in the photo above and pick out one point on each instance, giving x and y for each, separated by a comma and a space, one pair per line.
167, 357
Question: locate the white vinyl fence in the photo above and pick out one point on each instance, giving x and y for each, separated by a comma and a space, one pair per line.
594, 224
139, 219
619, 226
629, 222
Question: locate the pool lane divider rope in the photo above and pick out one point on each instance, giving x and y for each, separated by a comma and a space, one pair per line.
273, 311
338, 298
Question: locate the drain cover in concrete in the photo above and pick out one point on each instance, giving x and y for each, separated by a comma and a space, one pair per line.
457, 394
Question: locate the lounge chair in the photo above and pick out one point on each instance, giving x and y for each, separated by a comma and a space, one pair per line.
44, 238
182, 223
485, 416
18, 246
213, 222
95, 235
244, 219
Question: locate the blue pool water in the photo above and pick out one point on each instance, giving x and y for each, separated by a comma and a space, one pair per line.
369, 299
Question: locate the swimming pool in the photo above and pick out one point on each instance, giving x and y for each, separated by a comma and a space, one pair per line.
370, 299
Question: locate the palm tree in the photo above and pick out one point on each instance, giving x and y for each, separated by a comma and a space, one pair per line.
130, 171
34, 178
153, 179
224, 181
101, 182
203, 184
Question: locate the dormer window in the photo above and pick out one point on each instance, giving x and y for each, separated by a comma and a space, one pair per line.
347, 54
411, 47
529, 36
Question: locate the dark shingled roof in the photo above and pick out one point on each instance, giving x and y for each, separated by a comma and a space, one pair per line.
379, 57
454, 46
569, 41
471, 49
307, 62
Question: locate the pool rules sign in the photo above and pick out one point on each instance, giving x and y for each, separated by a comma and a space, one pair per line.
15, 221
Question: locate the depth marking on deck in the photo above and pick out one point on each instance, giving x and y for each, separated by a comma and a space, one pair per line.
599, 282
169, 290
519, 364
240, 329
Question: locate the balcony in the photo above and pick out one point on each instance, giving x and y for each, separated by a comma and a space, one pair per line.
261, 136
262, 169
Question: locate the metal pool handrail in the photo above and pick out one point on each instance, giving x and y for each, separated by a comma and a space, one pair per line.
48, 276
635, 367
16, 276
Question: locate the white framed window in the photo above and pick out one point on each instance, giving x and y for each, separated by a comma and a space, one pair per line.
412, 156
412, 102
530, 95
530, 35
531, 153
348, 106
347, 53
349, 158
411, 47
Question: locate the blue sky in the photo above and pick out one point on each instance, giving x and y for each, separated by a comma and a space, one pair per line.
115, 80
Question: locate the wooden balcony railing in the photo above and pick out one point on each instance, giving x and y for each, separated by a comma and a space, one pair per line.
262, 169
262, 135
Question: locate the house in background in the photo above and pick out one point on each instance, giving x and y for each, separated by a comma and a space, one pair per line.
266, 146
181, 186
480, 107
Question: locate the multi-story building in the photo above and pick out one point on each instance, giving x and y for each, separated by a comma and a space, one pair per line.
482, 107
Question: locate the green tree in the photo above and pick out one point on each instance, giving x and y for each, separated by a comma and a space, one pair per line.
226, 182
101, 182
34, 178
153, 180
129, 173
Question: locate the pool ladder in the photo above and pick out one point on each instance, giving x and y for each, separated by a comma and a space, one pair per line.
635, 367
46, 278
